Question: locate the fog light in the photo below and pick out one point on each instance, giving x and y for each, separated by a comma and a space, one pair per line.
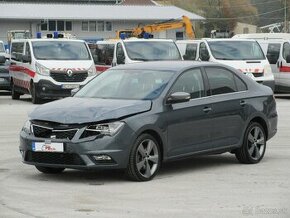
43, 88
102, 157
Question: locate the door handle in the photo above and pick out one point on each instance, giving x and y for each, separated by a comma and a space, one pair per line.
243, 103
207, 109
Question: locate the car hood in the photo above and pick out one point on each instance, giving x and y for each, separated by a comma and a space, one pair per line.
74, 110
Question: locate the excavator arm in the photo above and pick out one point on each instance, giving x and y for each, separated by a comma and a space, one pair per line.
159, 27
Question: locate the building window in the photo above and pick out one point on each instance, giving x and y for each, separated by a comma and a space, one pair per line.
85, 26
108, 26
92, 26
52, 25
101, 26
43, 26
68, 26
60, 25
179, 35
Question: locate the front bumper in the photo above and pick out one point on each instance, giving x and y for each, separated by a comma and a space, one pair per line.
79, 154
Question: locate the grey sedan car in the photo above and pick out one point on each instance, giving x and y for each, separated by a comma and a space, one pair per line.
136, 116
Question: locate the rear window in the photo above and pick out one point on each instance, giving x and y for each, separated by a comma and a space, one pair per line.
236, 50
102, 53
17, 51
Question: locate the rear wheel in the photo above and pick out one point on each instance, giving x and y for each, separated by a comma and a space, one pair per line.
145, 159
34, 97
14, 94
49, 170
254, 145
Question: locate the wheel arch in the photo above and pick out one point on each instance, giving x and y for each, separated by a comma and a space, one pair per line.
262, 122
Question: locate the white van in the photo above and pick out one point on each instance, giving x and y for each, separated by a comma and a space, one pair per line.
49, 68
259, 36
278, 54
115, 52
243, 54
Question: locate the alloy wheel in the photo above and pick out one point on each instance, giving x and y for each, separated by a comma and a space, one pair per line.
256, 142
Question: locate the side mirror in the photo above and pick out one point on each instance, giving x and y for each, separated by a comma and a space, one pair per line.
204, 56
288, 58
74, 91
120, 58
2, 59
178, 97
96, 59
26, 59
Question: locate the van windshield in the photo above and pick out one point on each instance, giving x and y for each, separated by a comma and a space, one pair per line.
236, 50
60, 50
152, 51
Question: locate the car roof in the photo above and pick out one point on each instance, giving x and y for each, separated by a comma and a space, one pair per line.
47, 40
229, 40
165, 65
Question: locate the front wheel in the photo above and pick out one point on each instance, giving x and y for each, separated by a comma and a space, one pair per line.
14, 94
145, 159
49, 170
254, 145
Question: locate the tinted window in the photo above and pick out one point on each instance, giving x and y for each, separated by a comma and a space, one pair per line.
221, 81
190, 52
191, 82
60, 50
236, 50
127, 84
273, 52
27, 49
102, 53
120, 54
152, 50
286, 50
17, 51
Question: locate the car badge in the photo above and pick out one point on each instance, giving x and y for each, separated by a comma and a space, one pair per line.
69, 73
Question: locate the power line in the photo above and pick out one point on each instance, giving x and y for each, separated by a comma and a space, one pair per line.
254, 15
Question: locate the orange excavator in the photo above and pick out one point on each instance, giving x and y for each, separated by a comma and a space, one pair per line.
141, 31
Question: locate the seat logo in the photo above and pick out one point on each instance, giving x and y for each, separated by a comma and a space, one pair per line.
69, 73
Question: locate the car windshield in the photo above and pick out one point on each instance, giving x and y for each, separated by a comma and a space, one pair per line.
127, 84
60, 50
236, 50
152, 51
1, 47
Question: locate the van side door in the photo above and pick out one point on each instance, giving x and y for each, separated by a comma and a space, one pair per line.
273, 56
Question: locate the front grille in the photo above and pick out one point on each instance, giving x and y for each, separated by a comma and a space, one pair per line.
258, 74
61, 76
46, 132
54, 158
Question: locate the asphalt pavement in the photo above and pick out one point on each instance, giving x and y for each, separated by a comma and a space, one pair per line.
206, 186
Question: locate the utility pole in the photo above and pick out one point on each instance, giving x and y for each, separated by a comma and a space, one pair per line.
285, 17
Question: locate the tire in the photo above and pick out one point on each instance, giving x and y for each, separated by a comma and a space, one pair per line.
254, 145
34, 97
49, 170
14, 94
144, 159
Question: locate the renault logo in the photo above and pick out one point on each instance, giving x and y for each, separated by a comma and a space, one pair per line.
69, 73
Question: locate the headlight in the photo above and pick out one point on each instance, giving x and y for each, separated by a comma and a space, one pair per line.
92, 71
42, 70
106, 128
27, 127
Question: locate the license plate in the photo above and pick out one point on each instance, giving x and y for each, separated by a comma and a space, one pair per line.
70, 86
2, 80
47, 147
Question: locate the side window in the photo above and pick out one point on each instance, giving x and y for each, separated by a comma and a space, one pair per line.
190, 52
241, 86
203, 52
120, 54
17, 51
286, 51
109, 54
273, 52
191, 82
221, 81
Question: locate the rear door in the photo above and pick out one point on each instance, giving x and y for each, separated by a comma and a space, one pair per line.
228, 106
189, 123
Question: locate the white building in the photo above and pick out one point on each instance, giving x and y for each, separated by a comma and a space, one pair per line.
87, 20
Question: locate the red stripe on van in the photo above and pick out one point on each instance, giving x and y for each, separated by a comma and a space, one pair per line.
102, 68
20, 69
